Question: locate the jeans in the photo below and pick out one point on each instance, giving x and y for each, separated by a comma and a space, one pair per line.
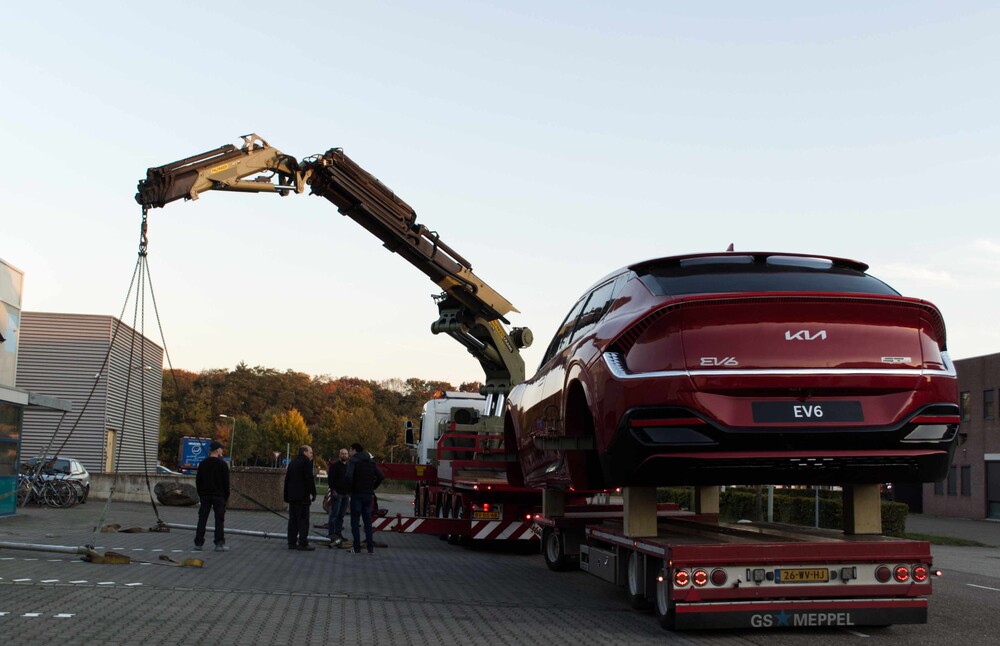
338, 507
209, 504
361, 507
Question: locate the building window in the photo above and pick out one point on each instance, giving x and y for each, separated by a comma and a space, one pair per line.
952, 481
963, 402
939, 488
988, 403
966, 480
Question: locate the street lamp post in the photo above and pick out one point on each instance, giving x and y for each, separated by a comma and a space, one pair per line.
232, 440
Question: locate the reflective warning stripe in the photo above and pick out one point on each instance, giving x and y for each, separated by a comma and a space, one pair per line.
477, 529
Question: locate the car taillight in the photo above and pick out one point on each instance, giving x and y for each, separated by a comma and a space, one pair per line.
700, 577
919, 573
681, 578
901, 573
883, 574
719, 577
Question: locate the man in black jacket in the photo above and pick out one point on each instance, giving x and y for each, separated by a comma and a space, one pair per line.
300, 491
212, 483
364, 477
336, 475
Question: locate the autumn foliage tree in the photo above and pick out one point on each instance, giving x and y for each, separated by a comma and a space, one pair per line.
275, 410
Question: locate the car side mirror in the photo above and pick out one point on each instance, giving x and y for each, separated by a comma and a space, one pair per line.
408, 433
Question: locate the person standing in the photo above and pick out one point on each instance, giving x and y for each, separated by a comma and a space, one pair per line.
299, 493
364, 477
339, 496
212, 482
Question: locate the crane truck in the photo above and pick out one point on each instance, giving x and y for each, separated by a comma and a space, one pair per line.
690, 569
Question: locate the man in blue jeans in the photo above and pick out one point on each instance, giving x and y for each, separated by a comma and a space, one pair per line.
364, 477
336, 475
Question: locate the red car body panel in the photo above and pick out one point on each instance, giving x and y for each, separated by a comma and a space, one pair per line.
731, 385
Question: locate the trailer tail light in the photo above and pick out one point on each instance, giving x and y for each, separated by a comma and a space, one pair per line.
919, 573
883, 574
700, 577
719, 577
901, 573
681, 578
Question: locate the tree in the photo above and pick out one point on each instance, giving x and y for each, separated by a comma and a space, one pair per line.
285, 428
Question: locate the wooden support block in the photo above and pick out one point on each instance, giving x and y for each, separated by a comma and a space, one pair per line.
706, 500
862, 509
640, 511
553, 503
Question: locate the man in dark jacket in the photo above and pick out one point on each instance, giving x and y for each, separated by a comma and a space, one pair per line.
340, 489
300, 491
212, 483
364, 477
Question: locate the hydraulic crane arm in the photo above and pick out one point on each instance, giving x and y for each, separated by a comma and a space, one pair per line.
222, 169
470, 311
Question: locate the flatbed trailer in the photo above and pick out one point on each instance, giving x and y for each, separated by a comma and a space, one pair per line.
698, 573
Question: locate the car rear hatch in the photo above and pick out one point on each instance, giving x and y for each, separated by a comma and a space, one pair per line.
807, 347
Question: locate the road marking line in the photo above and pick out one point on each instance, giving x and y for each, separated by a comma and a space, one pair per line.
77, 581
32, 614
132, 584
4, 614
50, 580
982, 587
21, 580
29, 559
7, 558
138, 549
856, 633
56, 560
64, 615
105, 583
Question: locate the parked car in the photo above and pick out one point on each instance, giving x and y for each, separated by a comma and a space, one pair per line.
165, 471
738, 368
63, 468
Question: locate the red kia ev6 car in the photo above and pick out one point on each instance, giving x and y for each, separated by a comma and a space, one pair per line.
738, 368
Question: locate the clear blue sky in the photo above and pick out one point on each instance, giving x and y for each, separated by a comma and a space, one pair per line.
547, 142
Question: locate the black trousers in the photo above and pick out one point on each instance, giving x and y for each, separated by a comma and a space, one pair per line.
209, 504
298, 523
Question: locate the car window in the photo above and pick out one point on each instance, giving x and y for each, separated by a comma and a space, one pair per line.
596, 305
719, 275
565, 331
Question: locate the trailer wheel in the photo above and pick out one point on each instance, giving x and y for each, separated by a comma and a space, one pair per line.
458, 512
555, 551
663, 605
441, 511
635, 582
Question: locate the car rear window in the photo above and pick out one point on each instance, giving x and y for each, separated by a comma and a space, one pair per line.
737, 273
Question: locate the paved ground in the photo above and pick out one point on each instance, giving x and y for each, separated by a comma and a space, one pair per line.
415, 591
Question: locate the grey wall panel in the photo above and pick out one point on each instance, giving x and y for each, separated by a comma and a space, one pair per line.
64, 355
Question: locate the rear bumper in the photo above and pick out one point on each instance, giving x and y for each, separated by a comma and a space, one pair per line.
702, 453
800, 614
